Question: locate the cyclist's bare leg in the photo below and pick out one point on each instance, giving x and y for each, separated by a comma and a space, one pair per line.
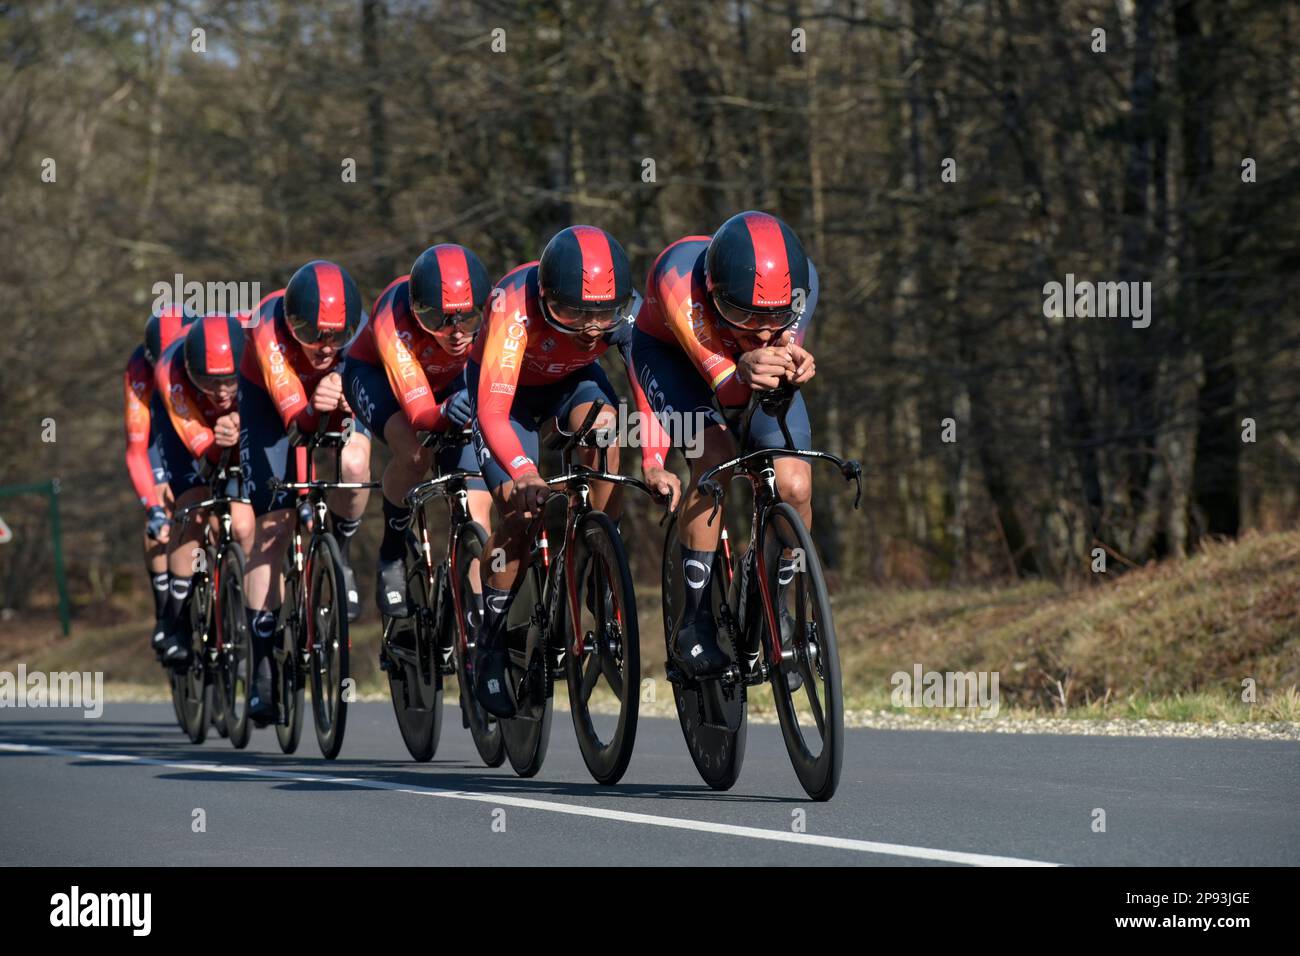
263, 579
243, 526
605, 497
155, 552
185, 557
794, 482
410, 462
480, 510
506, 552
348, 503
696, 532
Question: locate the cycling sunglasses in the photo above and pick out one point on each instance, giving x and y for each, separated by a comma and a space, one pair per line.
211, 384
580, 320
750, 321
307, 333
435, 320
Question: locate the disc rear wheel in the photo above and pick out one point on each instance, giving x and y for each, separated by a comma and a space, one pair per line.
414, 680
527, 734
712, 715
483, 727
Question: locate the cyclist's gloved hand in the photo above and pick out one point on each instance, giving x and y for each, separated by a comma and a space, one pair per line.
157, 521
457, 408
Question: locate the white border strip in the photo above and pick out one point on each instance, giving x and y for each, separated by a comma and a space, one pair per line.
529, 803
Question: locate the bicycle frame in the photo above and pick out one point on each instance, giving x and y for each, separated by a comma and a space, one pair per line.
454, 489
225, 536
759, 468
576, 482
316, 508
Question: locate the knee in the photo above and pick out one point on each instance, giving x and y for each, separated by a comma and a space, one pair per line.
415, 459
796, 488
356, 462
243, 526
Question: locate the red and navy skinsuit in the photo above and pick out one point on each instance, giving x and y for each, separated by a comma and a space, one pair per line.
686, 355
394, 366
523, 372
185, 435
143, 414
276, 382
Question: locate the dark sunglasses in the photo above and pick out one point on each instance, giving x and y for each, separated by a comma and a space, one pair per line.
579, 320
308, 333
209, 384
435, 320
748, 321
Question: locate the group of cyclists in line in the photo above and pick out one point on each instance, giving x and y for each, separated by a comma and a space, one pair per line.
722, 317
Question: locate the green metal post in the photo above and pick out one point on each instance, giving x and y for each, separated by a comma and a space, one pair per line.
56, 533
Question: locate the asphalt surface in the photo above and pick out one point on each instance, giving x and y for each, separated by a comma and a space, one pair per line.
124, 790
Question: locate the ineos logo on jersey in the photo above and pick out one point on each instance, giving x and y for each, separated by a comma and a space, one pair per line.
516, 331
275, 358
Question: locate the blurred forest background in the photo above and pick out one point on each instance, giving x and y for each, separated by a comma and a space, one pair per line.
1071, 433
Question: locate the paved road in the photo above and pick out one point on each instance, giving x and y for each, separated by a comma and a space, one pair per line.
123, 789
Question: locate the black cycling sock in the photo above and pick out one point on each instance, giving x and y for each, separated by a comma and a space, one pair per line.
496, 602
785, 571
178, 591
344, 529
161, 583
261, 625
396, 520
697, 569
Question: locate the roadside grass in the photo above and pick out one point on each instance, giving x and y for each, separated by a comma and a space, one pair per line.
1174, 641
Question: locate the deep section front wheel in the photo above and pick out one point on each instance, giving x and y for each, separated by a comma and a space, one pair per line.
603, 661
327, 628
195, 692
290, 678
483, 727
812, 717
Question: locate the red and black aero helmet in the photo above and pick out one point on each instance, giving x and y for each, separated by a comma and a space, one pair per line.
584, 269
213, 347
322, 304
753, 266
447, 280
164, 328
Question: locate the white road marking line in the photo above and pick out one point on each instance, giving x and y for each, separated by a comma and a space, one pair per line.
623, 816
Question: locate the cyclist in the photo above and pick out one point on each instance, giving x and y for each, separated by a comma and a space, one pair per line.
537, 358
290, 377
195, 377
143, 415
410, 357
726, 316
